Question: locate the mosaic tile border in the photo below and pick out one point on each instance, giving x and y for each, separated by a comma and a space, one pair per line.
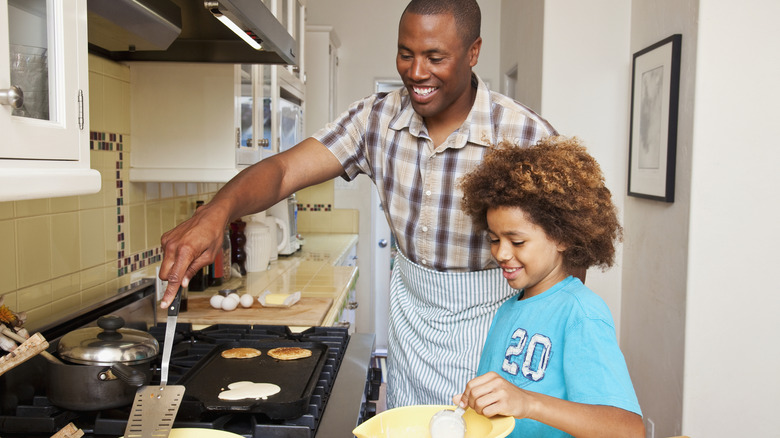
126, 263
315, 207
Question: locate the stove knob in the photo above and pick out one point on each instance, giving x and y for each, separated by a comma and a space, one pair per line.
369, 411
374, 384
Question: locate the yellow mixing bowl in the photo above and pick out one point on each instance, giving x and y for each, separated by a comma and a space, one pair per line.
412, 422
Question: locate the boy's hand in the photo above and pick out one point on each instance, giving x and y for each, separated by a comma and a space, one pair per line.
491, 395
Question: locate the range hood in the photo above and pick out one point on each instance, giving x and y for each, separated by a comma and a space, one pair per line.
188, 31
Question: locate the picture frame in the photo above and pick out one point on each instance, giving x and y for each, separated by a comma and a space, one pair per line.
655, 91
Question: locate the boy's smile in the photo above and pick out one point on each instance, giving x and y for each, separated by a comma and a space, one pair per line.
528, 258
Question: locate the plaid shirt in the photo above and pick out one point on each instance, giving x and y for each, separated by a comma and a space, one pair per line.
384, 138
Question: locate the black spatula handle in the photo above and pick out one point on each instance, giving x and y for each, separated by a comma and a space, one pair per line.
173, 309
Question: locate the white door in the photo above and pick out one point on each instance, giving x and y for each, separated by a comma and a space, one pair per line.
380, 255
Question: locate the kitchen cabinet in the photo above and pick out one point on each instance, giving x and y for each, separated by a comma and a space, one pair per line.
196, 122
188, 121
44, 118
292, 15
322, 45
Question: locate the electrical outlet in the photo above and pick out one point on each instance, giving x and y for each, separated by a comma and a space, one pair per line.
650, 429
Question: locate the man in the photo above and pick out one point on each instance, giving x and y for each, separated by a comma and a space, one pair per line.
414, 143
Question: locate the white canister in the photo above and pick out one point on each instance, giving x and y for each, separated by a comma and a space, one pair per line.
258, 238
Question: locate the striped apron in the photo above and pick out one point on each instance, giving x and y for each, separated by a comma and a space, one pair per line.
438, 325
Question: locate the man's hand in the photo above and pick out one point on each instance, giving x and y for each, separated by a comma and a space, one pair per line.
190, 246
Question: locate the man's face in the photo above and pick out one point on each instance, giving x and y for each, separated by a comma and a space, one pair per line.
435, 66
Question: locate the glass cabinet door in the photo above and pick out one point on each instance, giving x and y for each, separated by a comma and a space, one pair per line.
43, 69
247, 107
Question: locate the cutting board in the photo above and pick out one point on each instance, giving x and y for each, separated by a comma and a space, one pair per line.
306, 312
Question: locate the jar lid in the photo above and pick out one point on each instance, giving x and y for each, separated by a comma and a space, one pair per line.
107, 344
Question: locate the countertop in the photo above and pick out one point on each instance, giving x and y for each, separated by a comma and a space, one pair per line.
313, 270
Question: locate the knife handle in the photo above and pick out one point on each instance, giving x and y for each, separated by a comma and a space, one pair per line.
173, 309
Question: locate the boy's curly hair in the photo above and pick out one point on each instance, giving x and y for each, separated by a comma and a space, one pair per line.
561, 189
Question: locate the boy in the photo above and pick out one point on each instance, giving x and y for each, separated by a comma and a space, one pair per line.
551, 358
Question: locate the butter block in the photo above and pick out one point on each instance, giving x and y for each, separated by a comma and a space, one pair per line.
276, 299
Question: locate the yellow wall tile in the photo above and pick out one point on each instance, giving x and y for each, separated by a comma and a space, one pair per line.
166, 190
66, 305
96, 109
33, 250
153, 225
37, 315
134, 192
66, 286
93, 295
64, 204
93, 276
113, 97
137, 228
65, 244
111, 234
32, 207
7, 256
152, 191
34, 296
6, 210
93, 237
167, 215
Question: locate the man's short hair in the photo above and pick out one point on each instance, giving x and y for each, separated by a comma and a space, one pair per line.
468, 17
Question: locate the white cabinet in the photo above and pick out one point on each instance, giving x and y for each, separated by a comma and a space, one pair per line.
322, 45
45, 146
187, 119
194, 122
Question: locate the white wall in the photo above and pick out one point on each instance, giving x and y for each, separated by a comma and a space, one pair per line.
585, 93
655, 260
732, 356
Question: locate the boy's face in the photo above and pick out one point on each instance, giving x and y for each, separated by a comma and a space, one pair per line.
528, 258
435, 66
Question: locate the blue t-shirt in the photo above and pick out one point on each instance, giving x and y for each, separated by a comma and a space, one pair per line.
560, 343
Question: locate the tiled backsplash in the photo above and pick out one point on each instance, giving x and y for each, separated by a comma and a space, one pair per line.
317, 215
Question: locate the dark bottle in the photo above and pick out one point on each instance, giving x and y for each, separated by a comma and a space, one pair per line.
237, 242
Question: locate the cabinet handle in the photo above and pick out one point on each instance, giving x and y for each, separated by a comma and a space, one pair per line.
12, 96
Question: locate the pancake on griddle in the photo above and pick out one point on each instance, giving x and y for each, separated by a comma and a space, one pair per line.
241, 353
289, 353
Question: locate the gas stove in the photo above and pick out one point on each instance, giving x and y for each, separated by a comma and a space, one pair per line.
340, 400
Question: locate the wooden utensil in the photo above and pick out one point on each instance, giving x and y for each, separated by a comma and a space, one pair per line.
27, 349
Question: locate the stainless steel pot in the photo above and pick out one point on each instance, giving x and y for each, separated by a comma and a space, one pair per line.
102, 367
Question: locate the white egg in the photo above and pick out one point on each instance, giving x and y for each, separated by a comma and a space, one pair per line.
234, 296
247, 300
229, 304
216, 301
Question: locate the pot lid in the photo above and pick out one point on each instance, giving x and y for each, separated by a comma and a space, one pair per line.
107, 344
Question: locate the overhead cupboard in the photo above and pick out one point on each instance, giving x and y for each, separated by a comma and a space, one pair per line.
196, 122
205, 122
44, 116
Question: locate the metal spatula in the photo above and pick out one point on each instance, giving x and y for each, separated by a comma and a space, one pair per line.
155, 406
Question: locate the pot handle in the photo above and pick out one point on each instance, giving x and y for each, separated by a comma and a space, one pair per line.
128, 374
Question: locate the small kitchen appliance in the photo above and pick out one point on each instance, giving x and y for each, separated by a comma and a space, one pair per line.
287, 211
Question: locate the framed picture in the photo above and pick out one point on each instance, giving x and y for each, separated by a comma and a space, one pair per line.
655, 89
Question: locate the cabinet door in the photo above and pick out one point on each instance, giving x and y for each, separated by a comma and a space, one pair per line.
43, 51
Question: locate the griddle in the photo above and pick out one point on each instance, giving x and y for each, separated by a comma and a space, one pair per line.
296, 378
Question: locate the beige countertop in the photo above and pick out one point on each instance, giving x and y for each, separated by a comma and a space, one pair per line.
313, 270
